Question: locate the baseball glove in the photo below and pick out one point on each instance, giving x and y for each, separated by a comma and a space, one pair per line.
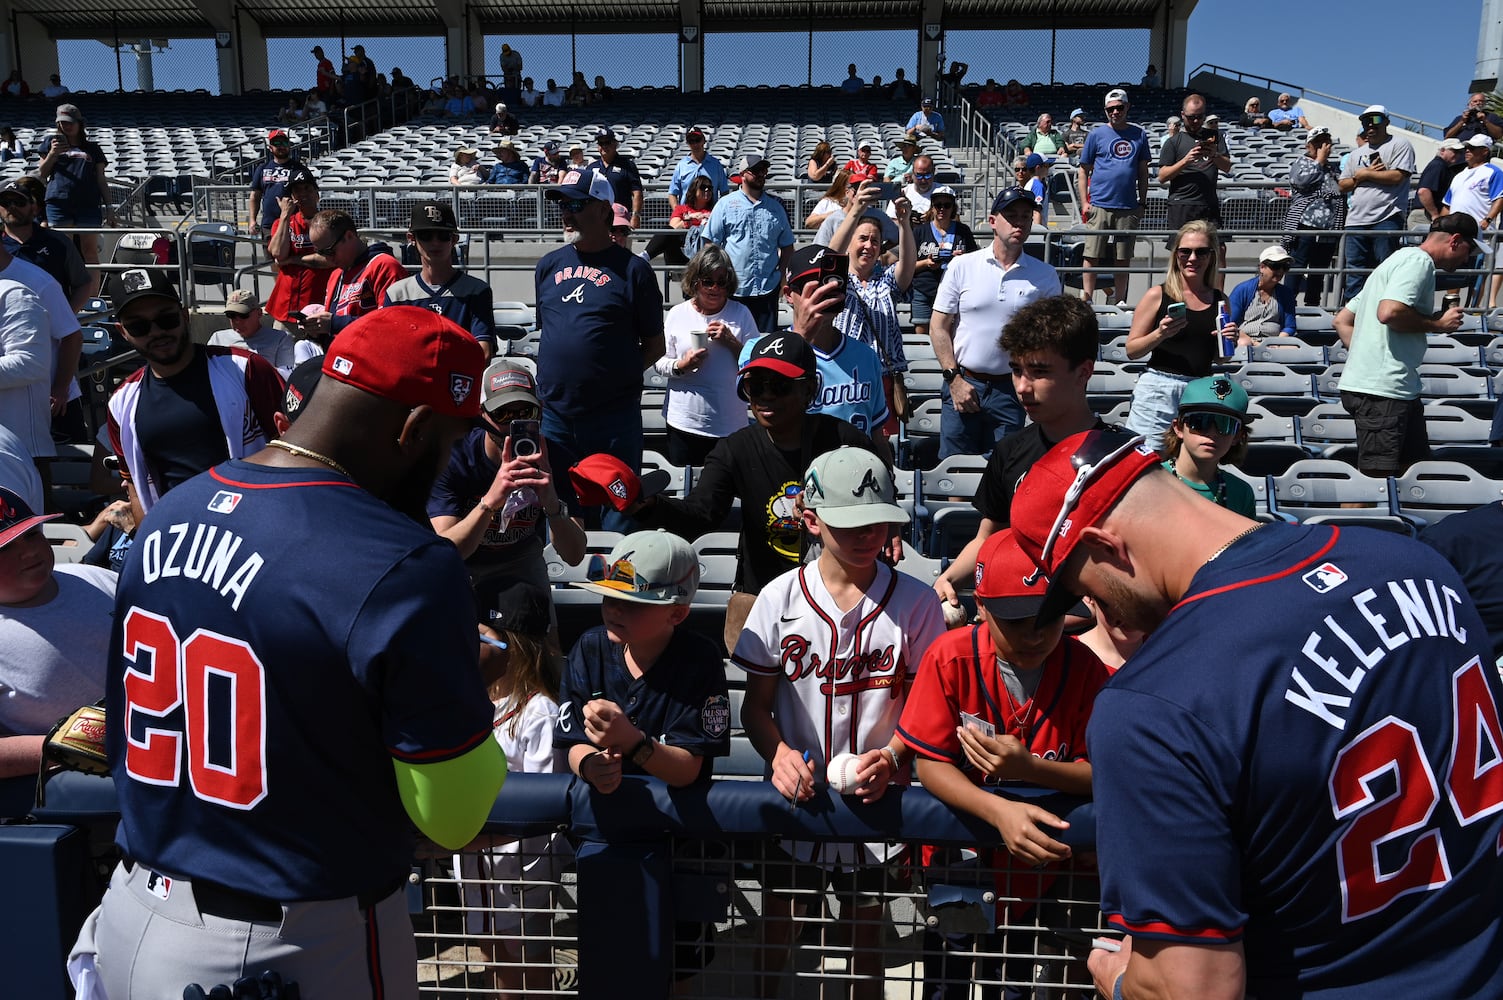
76, 743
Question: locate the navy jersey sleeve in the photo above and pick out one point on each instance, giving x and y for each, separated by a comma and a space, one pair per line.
699, 720
445, 499
1170, 863
413, 645
580, 680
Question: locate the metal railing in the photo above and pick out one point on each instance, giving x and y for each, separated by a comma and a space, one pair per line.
1407, 122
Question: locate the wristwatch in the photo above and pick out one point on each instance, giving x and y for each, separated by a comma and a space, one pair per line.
642, 752
949, 374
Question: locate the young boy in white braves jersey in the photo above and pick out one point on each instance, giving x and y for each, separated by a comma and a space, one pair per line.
829, 650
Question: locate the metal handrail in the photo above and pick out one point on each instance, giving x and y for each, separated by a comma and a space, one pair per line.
1408, 122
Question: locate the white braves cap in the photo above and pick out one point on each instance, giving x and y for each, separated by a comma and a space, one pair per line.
851, 488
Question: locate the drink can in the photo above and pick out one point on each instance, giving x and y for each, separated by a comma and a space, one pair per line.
1450, 300
1227, 341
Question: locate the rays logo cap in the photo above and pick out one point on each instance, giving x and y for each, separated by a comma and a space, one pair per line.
433, 215
646, 567
582, 184
17, 518
1007, 582
851, 488
412, 356
1073, 487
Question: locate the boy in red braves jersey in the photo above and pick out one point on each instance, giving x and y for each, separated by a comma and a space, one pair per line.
829, 649
1036, 690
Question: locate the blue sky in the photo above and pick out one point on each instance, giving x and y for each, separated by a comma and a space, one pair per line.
1318, 44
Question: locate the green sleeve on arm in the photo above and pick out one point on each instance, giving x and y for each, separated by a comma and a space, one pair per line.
449, 801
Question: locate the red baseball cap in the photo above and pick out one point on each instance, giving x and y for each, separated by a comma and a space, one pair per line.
411, 356
1007, 582
605, 479
16, 518
1071, 488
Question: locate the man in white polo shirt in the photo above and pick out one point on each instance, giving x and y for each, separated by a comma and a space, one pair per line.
978, 295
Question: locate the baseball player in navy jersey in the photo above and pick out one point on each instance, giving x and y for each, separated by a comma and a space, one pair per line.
1298, 779
294, 684
829, 649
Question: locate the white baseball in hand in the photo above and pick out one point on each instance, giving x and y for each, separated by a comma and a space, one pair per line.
954, 614
842, 772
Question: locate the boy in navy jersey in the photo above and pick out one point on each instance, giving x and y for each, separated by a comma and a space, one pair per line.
440, 286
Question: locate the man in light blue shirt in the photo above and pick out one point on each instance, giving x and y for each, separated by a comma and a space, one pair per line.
754, 230
926, 121
1288, 115
696, 163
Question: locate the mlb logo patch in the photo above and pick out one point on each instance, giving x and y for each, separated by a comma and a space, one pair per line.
343, 365
460, 387
224, 502
158, 885
1324, 578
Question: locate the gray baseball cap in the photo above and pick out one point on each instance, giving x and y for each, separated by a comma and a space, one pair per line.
646, 567
851, 488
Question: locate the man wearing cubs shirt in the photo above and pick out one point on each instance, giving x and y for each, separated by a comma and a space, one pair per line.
1297, 777
294, 685
1114, 178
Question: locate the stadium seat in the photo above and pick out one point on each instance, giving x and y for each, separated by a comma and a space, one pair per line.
1324, 491
1431, 491
956, 476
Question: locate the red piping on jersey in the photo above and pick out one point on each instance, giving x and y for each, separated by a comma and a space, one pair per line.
1159, 927
373, 955
443, 754
214, 473
1335, 536
803, 587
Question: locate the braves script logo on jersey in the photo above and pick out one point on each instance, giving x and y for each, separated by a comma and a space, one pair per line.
224, 502
460, 387
1324, 578
861, 671
715, 717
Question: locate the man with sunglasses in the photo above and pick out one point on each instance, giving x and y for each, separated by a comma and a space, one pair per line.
1263, 306
362, 272
302, 272
249, 332
621, 171
1376, 180
1189, 165
754, 229
439, 285
268, 181
1307, 806
1385, 328
52, 252
190, 407
698, 163
601, 315
1113, 177
917, 191
471, 499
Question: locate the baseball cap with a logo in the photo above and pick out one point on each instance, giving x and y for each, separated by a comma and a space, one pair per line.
1009, 196
125, 287
1481, 141
300, 385
604, 479
786, 354
433, 215
16, 517
1460, 224
582, 184
506, 382
1071, 488
69, 113
810, 263
242, 302
750, 163
411, 356
13, 191
851, 488
1007, 582
646, 567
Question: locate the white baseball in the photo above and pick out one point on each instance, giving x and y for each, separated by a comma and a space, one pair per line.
842, 772
954, 614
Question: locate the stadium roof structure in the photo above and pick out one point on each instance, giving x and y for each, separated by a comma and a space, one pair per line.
193, 18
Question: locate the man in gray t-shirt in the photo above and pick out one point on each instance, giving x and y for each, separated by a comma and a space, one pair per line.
1376, 177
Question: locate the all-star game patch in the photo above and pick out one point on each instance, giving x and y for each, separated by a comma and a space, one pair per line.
715, 717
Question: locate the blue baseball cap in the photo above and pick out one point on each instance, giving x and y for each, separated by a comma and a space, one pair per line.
582, 184
1008, 196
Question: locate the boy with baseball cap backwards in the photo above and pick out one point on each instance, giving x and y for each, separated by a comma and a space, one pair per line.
829, 649
1000, 703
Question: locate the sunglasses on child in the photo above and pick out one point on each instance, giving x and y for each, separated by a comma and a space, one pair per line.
772, 386
167, 319
1208, 423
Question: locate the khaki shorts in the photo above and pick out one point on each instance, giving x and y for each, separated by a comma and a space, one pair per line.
1106, 221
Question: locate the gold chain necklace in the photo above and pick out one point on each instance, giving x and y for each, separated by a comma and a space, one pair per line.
326, 460
1233, 541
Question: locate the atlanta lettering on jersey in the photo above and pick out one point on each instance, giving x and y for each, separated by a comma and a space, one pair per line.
861, 671
842, 395
594, 275
209, 558
1379, 622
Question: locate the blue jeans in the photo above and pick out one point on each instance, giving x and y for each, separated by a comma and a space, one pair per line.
764, 309
1155, 404
976, 433
616, 431
1363, 253
1310, 251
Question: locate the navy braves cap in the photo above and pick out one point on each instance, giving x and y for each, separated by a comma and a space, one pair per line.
1008, 196
606, 135
551, 146
125, 287
582, 184
301, 175
16, 188
807, 263
16, 517
786, 354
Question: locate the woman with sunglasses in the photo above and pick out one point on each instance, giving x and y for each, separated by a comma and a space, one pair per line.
1263, 306
832, 202
703, 336
1175, 326
1211, 431
937, 240
688, 215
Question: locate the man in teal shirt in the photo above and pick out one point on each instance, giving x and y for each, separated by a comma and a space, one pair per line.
1385, 328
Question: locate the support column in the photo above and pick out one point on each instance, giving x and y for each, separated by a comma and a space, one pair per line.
931, 17
464, 51
37, 51
691, 47
1168, 42
247, 54
1489, 48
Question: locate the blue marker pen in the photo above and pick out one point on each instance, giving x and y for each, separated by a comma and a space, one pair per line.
493, 642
